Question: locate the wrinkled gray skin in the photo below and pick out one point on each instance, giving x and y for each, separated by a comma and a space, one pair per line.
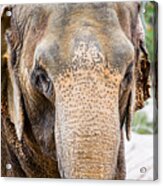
71, 61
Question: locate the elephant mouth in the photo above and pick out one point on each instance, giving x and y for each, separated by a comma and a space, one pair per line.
87, 129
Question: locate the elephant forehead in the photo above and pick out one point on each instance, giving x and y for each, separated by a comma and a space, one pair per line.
87, 53
79, 35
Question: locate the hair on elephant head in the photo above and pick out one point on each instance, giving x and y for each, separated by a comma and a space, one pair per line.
72, 75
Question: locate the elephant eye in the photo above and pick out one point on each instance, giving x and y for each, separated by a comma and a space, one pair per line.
42, 82
128, 77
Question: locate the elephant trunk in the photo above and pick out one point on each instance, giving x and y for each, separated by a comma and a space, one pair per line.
87, 129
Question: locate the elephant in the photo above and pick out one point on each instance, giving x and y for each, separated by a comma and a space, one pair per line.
72, 77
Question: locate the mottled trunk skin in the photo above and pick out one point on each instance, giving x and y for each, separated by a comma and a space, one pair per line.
87, 123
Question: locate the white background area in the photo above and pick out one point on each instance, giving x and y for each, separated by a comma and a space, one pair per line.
63, 182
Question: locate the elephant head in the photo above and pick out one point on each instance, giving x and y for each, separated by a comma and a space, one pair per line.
72, 75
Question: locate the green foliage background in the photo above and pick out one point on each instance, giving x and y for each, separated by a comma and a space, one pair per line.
149, 27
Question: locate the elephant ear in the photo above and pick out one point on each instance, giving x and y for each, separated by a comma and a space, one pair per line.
134, 89
11, 93
142, 70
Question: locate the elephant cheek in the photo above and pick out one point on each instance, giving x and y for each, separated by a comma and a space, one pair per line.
87, 130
